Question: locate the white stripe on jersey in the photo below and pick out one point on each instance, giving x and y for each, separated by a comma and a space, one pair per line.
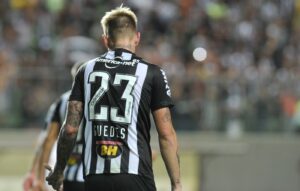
141, 72
110, 55
88, 128
71, 173
115, 164
79, 176
126, 56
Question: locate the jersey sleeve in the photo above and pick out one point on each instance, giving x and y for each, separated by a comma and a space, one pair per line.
53, 113
161, 93
77, 92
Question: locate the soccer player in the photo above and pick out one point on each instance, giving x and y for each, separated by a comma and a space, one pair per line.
46, 152
113, 96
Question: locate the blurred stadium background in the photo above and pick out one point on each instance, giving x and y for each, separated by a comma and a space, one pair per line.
233, 67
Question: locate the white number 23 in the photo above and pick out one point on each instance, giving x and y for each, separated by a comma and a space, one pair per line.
127, 96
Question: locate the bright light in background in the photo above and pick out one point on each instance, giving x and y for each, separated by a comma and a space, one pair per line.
199, 54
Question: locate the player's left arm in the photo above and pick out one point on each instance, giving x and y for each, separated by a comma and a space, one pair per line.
160, 105
168, 145
66, 142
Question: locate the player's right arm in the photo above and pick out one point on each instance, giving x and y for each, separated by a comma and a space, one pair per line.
168, 145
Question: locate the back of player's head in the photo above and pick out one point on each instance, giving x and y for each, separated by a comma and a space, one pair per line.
119, 23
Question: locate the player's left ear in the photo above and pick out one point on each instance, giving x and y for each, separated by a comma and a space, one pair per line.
137, 38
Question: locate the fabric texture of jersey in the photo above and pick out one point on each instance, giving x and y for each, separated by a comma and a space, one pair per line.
74, 168
119, 90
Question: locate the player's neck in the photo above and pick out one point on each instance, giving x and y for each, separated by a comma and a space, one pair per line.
125, 45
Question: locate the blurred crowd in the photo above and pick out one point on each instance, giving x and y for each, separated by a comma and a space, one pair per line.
247, 81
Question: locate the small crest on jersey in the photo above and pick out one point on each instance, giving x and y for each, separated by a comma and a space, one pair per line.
109, 149
110, 66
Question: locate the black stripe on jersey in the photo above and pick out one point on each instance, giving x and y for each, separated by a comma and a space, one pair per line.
107, 166
67, 171
83, 146
94, 156
118, 55
125, 159
145, 165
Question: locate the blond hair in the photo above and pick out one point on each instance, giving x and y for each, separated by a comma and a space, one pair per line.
119, 22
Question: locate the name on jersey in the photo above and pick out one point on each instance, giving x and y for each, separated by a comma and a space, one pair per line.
108, 131
116, 62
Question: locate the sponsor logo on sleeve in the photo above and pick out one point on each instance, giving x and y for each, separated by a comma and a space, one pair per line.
168, 90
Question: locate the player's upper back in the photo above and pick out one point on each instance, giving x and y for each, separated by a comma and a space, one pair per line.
121, 68
117, 84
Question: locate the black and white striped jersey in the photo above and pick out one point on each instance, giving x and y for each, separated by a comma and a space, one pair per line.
74, 168
119, 90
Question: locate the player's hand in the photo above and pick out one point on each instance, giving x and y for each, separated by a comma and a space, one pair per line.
55, 179
39, 185
28, 181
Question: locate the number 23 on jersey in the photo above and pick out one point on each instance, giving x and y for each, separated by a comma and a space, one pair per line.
127, 96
